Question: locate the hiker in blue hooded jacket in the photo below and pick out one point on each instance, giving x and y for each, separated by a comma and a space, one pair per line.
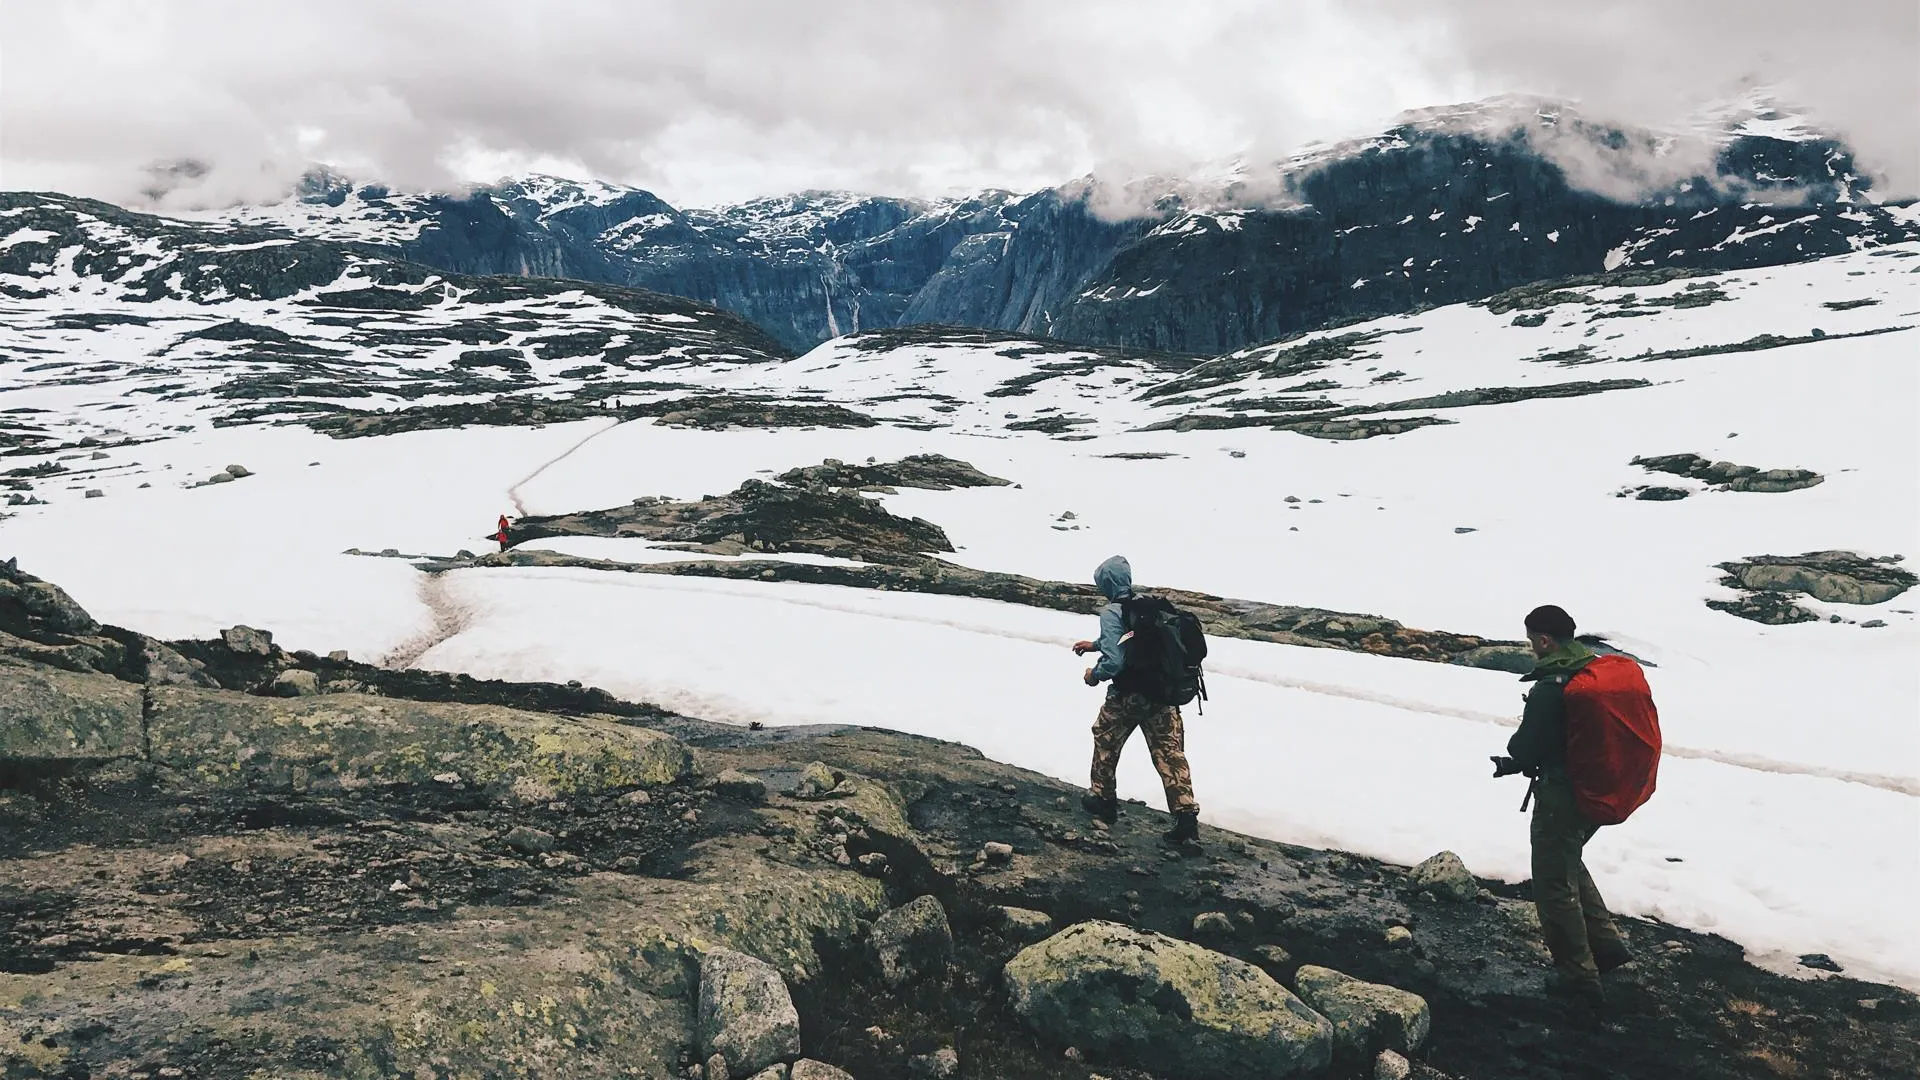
1125, 709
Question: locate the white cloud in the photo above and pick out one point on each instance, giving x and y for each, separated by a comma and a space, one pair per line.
726, 99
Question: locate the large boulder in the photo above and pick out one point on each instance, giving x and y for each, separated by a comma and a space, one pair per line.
1168, 1006
744, 1012
1446, 877
350, 741
48, 715
1367, 1017
913, 942
25, 598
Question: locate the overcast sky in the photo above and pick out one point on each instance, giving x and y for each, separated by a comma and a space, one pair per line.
709, 101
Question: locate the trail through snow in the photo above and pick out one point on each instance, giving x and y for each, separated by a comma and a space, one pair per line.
513, 490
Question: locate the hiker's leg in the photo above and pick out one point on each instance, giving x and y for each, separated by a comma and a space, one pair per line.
1167, 742
1558, 833
1603, 938
1111, 730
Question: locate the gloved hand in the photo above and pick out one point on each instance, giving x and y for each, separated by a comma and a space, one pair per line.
1089, 679
1503, 766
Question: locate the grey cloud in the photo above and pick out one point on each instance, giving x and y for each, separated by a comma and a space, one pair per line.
730, 98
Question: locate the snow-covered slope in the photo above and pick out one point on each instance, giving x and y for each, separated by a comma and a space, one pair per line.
1450, 468
117, 325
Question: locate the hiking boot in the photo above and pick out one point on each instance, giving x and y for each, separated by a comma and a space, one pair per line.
1104, 807
1577, 990
1609, 957
1185, 831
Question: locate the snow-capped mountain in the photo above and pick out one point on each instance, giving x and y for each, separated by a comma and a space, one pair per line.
1448, 204
231, 323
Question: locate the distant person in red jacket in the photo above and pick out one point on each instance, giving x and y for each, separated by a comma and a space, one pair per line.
501, 533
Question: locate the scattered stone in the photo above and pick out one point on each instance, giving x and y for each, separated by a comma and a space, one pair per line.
1391, 1066
1462, 530
744, 1013
95, 493
1169, 1006
529, 840
995, 853
1873, 624
913, 942
735, 784
1446, 877
338, 656
636, 798
1820, 962
1021, 924
1212, 924
1366, 1016
1726, 476
1274, 954
716, 1068
220, 478
1398, 937
776, 1071
816, 781
809, 1069
248, 641
295, 682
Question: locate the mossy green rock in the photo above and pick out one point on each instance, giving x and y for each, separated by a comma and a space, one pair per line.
50, 715
1168, 1006
349, 741
1367, 1017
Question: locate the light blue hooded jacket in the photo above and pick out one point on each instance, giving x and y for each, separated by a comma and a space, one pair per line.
1115, 581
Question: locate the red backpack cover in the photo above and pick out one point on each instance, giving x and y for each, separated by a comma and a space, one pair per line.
1613, 739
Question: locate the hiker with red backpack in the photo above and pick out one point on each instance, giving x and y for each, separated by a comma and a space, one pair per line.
1150, 652
501, 533
1590, 739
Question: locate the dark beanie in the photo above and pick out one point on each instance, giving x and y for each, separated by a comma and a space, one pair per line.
1552, 621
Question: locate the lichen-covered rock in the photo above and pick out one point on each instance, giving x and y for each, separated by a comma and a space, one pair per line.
735, 784
296, 682
1366, 1016
1022, 924
248, 641
1836, 577
1446, 877
913, 942
41, 602
816, 781
1212, 924
58, 716
348, 741
744, 1012
772, 1072
1169, 1006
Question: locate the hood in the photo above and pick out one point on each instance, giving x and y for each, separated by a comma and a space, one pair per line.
1114, 578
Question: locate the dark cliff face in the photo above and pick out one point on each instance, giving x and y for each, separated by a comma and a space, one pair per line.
1424, 214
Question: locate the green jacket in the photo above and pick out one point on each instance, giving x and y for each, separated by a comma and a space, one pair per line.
1541, 742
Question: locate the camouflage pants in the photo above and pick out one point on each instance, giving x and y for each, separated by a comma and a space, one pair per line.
1166, 742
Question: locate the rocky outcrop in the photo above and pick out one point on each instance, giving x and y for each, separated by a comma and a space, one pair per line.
1726, 476
757, 516
1366, 1017
1163, 1004
930, 472
350, 742
1770, 582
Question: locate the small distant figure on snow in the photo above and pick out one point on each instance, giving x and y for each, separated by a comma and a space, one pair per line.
500, 533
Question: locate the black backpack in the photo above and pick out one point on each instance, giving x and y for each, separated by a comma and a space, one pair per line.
1164, 649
